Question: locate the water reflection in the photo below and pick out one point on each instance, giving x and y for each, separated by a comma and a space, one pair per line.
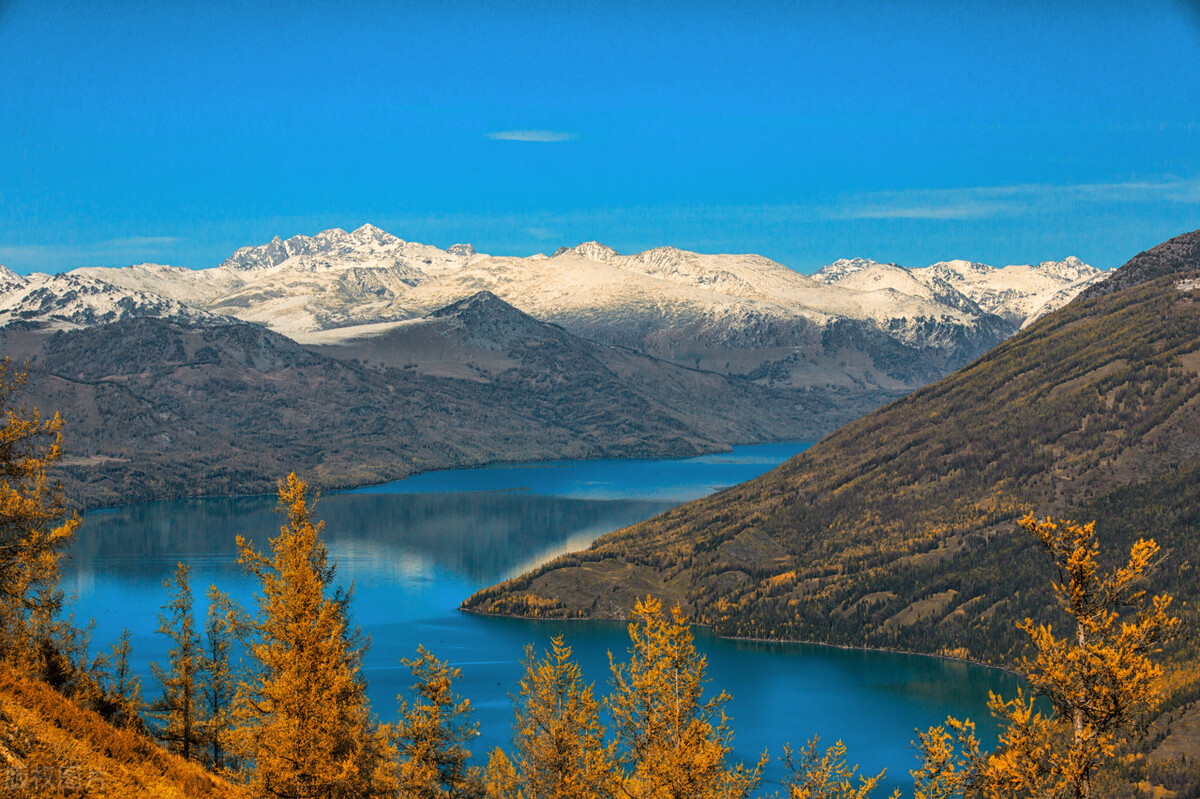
414, 556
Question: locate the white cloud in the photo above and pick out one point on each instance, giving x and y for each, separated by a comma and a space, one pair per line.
531, 135
987, 202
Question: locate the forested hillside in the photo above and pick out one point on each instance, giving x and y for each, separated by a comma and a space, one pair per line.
898, 530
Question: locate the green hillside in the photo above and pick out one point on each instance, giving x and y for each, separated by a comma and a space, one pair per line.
898, 530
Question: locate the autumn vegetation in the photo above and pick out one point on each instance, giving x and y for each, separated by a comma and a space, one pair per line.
292, 720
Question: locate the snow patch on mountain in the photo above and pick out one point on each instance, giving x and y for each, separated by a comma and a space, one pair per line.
9, 280
80, 300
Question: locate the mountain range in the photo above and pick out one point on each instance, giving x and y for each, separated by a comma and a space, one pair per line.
854, 324
360, 357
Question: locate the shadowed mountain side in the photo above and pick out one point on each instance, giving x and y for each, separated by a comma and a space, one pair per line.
159, 409
897, 530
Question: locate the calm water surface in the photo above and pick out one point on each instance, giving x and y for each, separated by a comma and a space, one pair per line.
415, 548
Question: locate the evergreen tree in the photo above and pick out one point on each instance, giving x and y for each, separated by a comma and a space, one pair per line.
672, 739
178, 709
305, 724
432, 734
559, 740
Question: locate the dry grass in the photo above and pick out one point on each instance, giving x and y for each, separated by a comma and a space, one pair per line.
50, 747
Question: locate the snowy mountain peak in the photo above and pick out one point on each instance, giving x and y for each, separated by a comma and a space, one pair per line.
1070, 268
844, 267
369, 234
595, 251
9, 280
465, 250
960, 269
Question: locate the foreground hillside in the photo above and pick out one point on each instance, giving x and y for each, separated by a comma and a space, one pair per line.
161, 409
897, 531
52, 747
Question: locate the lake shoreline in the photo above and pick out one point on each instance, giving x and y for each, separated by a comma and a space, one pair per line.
848, 647
336, 487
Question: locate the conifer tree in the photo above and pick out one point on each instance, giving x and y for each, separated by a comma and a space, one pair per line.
178, 709
559, 740
125, 688
817, 775
672, 739
432, 734
1099, 681
218, 687
305, 728
35, 529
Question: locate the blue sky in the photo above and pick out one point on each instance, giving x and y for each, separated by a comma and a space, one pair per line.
909, 132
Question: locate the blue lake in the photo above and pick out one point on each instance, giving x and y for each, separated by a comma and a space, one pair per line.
416, 548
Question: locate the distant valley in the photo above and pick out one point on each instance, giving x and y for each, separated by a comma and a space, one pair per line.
360, 357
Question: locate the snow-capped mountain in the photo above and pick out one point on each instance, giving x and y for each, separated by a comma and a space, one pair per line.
1020, 293
80, 300
9, 280
856, 323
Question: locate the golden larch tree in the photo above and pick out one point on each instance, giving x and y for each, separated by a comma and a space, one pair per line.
432, 735
305, 726
1100, 681
35, 527
218, 686
558, 742
178, 708
814, 774
673, 741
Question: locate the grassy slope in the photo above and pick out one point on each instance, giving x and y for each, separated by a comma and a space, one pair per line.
898, 530
50, 747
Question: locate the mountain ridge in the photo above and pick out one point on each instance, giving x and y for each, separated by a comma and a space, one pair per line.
897, 531
160, 409
736, 314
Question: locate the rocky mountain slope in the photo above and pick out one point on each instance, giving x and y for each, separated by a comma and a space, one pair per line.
735, 314
898, 530
166, 408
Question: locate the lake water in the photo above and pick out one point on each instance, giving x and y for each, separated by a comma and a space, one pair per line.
415, 549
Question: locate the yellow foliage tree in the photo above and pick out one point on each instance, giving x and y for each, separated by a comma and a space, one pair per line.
218, 688
559, 741
178, 709
1100, 681
825, 775
672, 739
305, 729
432, 734
35, 527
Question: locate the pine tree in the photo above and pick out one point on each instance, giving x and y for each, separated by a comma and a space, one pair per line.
218, 687
432, 734
178, 709
1100, 681
305, 728
674, 741
35, 529
559, 740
